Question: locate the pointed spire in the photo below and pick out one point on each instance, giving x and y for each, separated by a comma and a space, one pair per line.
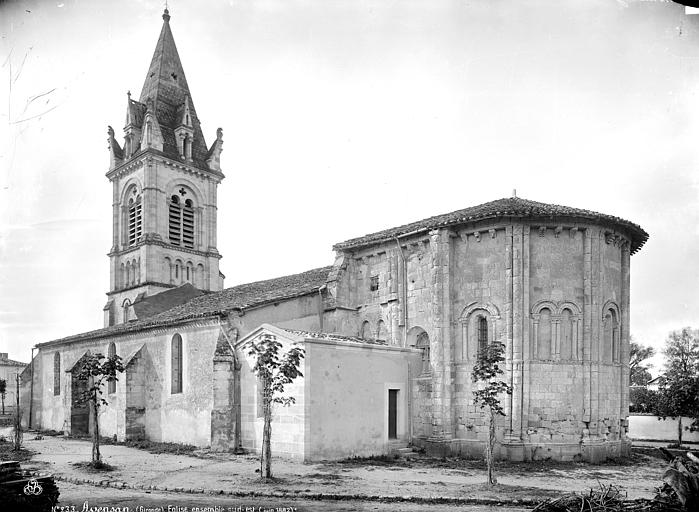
166, 86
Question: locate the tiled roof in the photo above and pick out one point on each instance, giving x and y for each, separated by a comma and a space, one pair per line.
11, 362
136, 112
155, 304
333, 337
166, 85
238, 297
502, 208
252, 294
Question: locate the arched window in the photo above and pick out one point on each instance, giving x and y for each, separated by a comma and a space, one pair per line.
176, 365
482, 333
181, 220
365, 330
611, 336
125, 309
423, 342
381, 333
200, 278
478, 329
567, 351
135, 219
111, 385
57, 374
544, 335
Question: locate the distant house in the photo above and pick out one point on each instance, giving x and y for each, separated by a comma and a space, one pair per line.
8, 370
654, 384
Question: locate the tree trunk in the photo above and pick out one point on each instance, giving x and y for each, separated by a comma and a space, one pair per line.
489, 446
679, 431
96, 457
266, 458
18, 420
3, 403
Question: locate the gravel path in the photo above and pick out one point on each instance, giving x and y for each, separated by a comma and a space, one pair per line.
420, 477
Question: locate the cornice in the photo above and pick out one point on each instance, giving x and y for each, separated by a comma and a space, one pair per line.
160, 243
151, 155
140, 285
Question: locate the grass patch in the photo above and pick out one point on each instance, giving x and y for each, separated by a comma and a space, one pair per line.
156, 447
94, 467
144, 444
374, 460
7, 453
49, 432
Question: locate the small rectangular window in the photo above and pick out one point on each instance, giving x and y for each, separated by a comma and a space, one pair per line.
374, 283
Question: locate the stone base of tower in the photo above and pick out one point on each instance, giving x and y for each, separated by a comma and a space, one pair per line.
589, 451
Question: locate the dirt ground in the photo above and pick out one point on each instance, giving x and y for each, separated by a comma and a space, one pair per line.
417, 477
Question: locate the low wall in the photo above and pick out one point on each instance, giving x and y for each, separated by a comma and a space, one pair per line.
649, 428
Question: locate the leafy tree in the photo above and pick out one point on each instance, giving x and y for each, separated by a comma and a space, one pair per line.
679, 387
274, 371
639, 374
96, 372
487, 396
643, 400
3, 390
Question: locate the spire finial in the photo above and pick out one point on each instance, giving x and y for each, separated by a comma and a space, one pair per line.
166, 14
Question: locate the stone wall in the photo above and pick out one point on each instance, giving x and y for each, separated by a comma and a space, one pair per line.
346, 393
547, 292
183, 417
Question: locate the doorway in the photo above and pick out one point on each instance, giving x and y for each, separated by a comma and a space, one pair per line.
393, 414
79, 411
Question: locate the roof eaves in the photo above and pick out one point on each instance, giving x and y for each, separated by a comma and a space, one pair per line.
138, 326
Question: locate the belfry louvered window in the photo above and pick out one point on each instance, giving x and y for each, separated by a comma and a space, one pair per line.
181, 222
135, 220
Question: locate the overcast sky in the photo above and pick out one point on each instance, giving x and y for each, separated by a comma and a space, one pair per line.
344, 117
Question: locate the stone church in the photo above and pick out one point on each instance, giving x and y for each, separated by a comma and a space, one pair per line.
391, 329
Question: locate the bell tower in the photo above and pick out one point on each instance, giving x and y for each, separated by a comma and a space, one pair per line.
164, 182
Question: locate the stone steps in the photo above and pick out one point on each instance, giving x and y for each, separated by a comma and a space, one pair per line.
401, 449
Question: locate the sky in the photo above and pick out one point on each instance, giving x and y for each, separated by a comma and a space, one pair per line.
345, 117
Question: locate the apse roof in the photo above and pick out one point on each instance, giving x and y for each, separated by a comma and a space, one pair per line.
510, 207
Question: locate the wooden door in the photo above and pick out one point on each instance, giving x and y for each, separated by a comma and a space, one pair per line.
392, 413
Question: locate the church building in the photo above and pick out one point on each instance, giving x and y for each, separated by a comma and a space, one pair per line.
391, 330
